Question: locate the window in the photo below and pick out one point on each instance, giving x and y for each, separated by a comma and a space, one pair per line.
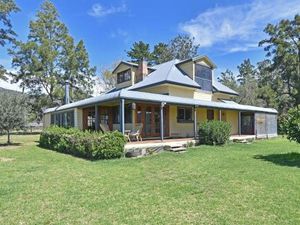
127, 114
115, 114
184, 114
210, 114
64, 119
203, 77
124, 76
91, 120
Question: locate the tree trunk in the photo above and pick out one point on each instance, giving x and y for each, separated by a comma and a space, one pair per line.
8, 138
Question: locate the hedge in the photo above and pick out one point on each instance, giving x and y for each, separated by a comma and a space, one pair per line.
214, 132
85, 144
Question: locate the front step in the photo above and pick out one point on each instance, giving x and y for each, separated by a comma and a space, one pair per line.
177, 149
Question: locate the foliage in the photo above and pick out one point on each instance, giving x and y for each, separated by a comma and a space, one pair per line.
283, 47
6, 32
13, 112
139, 51
85, 144
181, 47
291, 124
49, 57
214, 132
161, 53
282, 123
228, 79
107, 81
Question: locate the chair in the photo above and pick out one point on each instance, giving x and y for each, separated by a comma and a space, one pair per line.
104, 127
136, 133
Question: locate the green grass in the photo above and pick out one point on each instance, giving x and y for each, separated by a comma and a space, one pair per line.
257, 183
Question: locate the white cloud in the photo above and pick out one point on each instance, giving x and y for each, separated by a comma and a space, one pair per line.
120, 33
238, 26
99, 10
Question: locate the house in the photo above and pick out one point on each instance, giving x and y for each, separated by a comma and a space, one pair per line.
169, 100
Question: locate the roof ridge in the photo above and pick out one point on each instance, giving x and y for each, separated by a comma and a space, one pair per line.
171, 67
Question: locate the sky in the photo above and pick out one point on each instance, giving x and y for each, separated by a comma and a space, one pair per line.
228, 31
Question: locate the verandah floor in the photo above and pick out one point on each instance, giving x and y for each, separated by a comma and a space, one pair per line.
175, 141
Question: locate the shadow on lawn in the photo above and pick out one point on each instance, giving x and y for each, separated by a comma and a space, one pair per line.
8, 145
286, 159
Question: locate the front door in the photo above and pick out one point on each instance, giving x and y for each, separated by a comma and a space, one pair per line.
247, 123
149, 116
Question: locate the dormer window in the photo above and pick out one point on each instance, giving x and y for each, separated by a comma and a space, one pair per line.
203, 76
124, 76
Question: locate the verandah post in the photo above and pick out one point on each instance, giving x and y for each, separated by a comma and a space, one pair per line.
239, 123
122, 116
96, 117
195, 122
162, 104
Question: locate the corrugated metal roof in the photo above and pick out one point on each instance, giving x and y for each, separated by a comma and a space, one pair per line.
150, 97
222, 88
166, 73
86, 102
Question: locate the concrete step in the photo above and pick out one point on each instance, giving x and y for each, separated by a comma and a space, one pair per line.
178, 149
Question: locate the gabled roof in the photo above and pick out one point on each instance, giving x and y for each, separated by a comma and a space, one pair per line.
198, 58
166, 73
128, 64
170, 73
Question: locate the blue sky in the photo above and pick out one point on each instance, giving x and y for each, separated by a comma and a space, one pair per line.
228, 31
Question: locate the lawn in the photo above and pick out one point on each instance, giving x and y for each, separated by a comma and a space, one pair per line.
257, 183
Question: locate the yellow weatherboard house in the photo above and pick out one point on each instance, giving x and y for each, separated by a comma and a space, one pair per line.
168, 100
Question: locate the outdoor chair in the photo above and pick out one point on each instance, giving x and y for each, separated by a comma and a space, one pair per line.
104, 127
136, 133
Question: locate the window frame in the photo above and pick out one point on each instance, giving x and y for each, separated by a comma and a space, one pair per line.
212, 112
202, 78
185, 119
121, 76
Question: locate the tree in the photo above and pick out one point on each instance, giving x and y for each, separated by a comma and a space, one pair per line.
247, 72
13, 112
291, 124
48, 58
283, 47
77, 70
108, 81
139, 51
6, 32
228, 79
183, 47
161, 53
267, 79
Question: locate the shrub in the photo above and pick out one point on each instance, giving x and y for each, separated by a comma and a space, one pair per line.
282, 123
85, 144
291, 124
214, 132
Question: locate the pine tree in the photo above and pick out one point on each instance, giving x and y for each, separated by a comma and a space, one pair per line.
6, 32
48, 58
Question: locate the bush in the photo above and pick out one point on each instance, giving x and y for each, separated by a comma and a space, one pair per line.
214, 132
291, 124
282, 123
85, 144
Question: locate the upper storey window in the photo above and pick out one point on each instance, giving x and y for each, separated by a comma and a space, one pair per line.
203, 77
124, 76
